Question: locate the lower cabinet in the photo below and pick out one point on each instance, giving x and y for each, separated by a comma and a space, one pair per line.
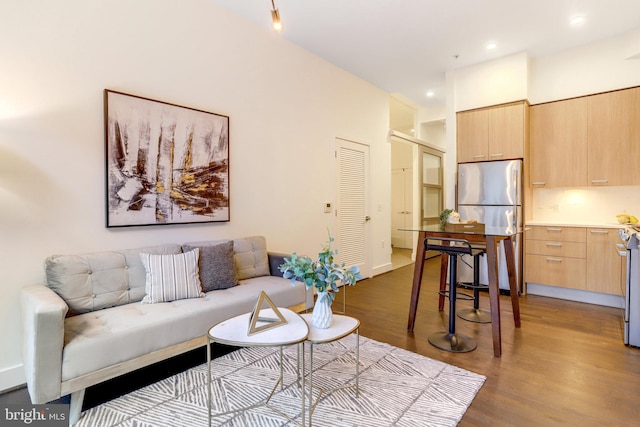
573, 257
604, 265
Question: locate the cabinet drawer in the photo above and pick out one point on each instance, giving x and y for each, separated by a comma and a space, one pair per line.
556, 271
553, 233
556, 248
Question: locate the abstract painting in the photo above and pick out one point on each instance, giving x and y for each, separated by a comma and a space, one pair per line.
165, 164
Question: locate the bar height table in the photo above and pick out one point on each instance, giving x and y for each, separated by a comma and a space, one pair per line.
491, 236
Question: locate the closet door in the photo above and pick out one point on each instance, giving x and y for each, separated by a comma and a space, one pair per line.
351, 210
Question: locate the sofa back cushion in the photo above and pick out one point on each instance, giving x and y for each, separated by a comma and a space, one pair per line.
94, 281
251, 257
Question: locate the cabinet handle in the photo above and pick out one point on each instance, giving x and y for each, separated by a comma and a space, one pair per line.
539, 183
599, 232
479, 156
599, 181
555, 244
554, 229
497, 155
554, 259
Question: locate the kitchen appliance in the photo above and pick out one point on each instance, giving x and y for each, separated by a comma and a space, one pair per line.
629, 237
490, 192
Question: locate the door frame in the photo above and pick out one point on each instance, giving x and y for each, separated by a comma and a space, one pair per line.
419, 147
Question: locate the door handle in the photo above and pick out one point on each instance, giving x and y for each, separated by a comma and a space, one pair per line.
367, 218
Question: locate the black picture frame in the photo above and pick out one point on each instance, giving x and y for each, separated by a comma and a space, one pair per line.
165, 163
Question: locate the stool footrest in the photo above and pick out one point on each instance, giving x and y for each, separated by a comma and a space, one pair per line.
459, 295
470, 285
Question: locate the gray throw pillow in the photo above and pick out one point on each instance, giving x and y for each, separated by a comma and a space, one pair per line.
217, 267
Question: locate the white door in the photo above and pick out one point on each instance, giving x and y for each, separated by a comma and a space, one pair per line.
401, 208
352, 204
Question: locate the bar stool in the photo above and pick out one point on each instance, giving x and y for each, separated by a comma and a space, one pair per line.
450, 340
475, 314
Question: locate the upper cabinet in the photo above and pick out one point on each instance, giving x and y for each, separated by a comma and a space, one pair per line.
558, 151
614, 138
588, 141
473, 136
494, 133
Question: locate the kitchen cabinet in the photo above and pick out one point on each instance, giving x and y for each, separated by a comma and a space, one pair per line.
556, 256
588, 141
493, 133
558, 150
614, 138
603, 262
574, 257
472, 128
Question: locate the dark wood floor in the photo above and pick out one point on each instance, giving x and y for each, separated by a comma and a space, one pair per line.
566, 365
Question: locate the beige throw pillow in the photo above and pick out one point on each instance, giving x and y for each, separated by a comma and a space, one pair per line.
171, 277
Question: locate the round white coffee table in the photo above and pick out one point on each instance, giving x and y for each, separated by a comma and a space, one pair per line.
234, 332
341, 327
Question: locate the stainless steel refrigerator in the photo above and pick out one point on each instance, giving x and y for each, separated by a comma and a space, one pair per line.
490, 192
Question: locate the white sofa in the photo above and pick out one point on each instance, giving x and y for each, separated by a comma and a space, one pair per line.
88, 323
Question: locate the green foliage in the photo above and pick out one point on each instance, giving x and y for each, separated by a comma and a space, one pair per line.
444, 215
323, 274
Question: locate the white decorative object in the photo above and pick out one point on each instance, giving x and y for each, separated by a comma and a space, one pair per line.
322, 316
454, 218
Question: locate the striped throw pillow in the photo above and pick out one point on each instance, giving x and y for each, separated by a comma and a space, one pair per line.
171, 277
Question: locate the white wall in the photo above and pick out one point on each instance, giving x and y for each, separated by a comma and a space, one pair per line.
286, 108
591, 69
491, 83
585, 205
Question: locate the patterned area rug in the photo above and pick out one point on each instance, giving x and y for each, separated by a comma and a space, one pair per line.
397, 388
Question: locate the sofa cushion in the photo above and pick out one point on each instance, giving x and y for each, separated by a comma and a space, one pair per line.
138, 329
217, 267
251, 257
171, 277
98, 280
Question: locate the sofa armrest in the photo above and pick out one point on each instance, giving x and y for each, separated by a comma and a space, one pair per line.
43, 313
276, 260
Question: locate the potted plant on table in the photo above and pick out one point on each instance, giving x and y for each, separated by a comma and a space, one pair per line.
322, 274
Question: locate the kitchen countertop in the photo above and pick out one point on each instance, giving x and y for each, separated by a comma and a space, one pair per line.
577, 224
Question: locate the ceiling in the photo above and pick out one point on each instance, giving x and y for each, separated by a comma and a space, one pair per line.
405, 47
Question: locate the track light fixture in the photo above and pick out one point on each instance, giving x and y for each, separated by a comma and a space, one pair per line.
275, 18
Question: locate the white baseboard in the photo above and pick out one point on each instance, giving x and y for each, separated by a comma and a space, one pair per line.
576, 295
12, 377
380, 269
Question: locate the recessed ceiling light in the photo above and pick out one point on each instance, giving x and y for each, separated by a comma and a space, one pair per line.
491, 46
576, 20
430, 94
